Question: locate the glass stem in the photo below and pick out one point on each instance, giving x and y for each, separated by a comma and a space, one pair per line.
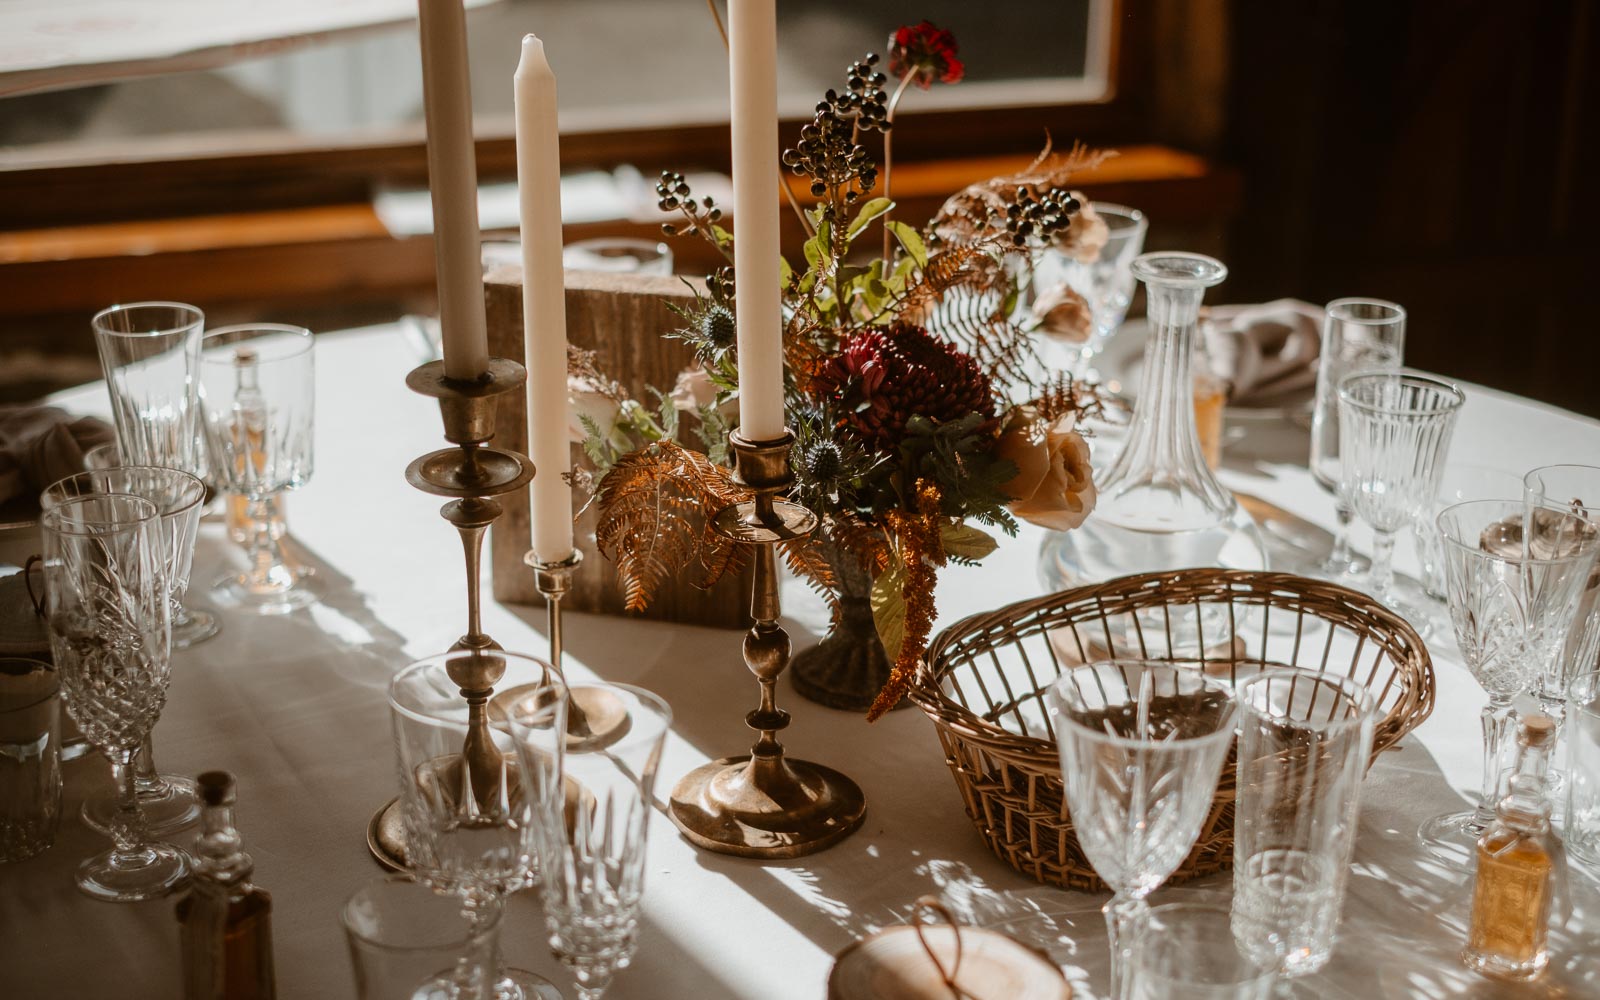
479, 969
127, 821
262, 546
145, 777
1341, 556
1382, 579
1498, 719
1125, 917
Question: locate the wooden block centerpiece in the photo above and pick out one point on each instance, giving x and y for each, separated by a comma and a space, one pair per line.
621, 318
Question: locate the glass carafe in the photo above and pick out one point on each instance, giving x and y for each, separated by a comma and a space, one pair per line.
1160, 507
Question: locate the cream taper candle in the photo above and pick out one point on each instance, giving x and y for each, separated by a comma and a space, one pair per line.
544, 302
753, 85
453, 184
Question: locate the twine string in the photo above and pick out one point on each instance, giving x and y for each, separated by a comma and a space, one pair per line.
934, 911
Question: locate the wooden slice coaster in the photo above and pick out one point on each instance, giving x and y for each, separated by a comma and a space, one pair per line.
895, 964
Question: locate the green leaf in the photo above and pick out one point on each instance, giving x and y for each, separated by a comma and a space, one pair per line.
723, 237
871, 210
785, 274
889, 608
966, 542
850, 273
911, 240
816, 248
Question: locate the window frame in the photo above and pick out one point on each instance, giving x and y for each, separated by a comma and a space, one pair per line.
214, 173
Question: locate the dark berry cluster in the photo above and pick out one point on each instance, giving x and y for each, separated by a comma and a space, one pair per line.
1031, 216
828, 151
674, 196
864, 96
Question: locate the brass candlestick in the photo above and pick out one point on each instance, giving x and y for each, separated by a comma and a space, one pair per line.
595, 716
764, 804
472, 474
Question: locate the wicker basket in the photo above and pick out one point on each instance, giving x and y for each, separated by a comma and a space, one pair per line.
984, 680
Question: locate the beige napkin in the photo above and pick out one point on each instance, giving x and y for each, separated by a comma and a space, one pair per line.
1267, 353
41, 444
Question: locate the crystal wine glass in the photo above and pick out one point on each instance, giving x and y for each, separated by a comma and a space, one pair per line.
258, 395
1576, 490
1142, 743
1106, 283
1357, 335
1512, 611
1394, 431
592, 864
472, 806
170, 802
150, 353
110, 633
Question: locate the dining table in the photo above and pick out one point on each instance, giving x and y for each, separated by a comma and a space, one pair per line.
294, 705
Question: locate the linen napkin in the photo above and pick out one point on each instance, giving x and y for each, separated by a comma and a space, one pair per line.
1266, 353
41, 444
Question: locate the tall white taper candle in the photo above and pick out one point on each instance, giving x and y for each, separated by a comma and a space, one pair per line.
753, 49
544, 304
453, 183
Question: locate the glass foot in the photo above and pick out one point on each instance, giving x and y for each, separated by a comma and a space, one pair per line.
195, 628
520, 984
1341, 570
278, 593
1453, 838
152, 871
173, 804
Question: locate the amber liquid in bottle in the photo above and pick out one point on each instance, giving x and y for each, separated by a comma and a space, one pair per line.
1512, 893
225, 920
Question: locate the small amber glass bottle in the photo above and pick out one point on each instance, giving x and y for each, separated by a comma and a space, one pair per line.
225, 920
1516, 861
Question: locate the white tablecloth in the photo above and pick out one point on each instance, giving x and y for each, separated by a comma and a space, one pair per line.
294, 706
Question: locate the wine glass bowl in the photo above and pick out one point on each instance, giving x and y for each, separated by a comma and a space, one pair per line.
150, 353
1394, 431
592, 857
1106, 284
472, 806
1142, 744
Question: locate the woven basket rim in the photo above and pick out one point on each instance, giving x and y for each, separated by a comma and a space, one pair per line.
945, 711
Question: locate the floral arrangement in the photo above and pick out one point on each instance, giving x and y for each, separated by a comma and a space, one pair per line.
921, 416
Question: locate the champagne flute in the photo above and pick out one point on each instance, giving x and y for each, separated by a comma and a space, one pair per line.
1357, 335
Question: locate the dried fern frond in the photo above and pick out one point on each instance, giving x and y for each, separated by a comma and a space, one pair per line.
1061, 399
807, 558
654, 506
969, 215
964, 294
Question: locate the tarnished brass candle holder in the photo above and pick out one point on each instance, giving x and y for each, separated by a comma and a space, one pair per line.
472, 474
764, 804
595, 716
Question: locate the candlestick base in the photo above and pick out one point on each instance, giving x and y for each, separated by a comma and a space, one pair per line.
771, 808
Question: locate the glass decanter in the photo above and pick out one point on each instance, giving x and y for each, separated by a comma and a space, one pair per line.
1160, 507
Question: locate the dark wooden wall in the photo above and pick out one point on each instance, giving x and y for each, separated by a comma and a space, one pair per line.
1442, 154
